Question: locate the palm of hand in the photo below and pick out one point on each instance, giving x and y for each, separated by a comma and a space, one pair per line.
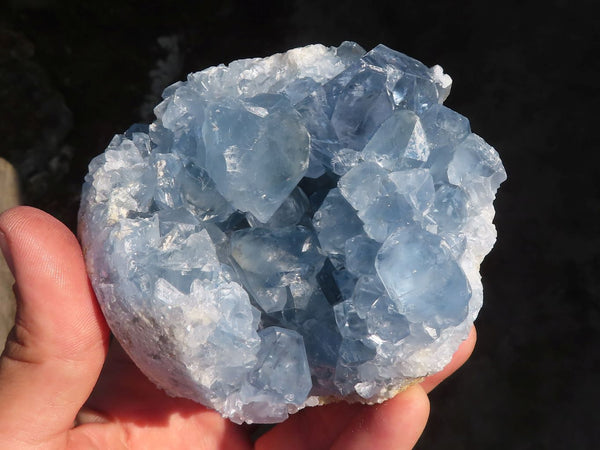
58, 347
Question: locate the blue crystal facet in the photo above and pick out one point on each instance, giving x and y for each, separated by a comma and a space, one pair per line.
292, 229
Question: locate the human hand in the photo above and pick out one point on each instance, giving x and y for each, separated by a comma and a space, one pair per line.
56, 394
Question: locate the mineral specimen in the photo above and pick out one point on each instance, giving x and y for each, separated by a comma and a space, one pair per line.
293, 230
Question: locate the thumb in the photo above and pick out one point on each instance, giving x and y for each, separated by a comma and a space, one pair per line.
56, 349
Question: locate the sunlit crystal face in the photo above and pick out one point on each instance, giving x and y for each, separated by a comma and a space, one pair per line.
302, 226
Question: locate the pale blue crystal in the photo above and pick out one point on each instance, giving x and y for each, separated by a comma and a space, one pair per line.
281, 378
411, 83
345, 159
385, 321
422, 278
417, 187
361, 106
256, 152
293, 229
360, 255
368, 289
476, 167
168, 167
399, 142
279, 256
316, 111
353, 353
345, 281
449, 209
201, 197
379, 204
349, 322
291, 212
444, 127
365, 183
335, 210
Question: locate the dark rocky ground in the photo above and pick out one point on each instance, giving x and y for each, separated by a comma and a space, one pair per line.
526, 73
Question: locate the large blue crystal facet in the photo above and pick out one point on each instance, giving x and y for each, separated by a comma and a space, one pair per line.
293, 229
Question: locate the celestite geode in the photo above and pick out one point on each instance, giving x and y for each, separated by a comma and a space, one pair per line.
293, 230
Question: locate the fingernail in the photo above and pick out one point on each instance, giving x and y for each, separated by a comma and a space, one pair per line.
6, 251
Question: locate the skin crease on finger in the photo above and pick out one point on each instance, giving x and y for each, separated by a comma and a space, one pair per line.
49, 369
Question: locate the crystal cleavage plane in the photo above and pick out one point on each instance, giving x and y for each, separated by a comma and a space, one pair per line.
293, 230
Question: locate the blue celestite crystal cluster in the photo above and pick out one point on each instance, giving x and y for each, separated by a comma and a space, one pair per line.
293, 230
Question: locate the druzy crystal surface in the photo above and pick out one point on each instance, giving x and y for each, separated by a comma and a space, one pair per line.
293, 230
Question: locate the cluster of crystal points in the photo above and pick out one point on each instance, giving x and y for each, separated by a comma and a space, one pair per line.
293, 229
